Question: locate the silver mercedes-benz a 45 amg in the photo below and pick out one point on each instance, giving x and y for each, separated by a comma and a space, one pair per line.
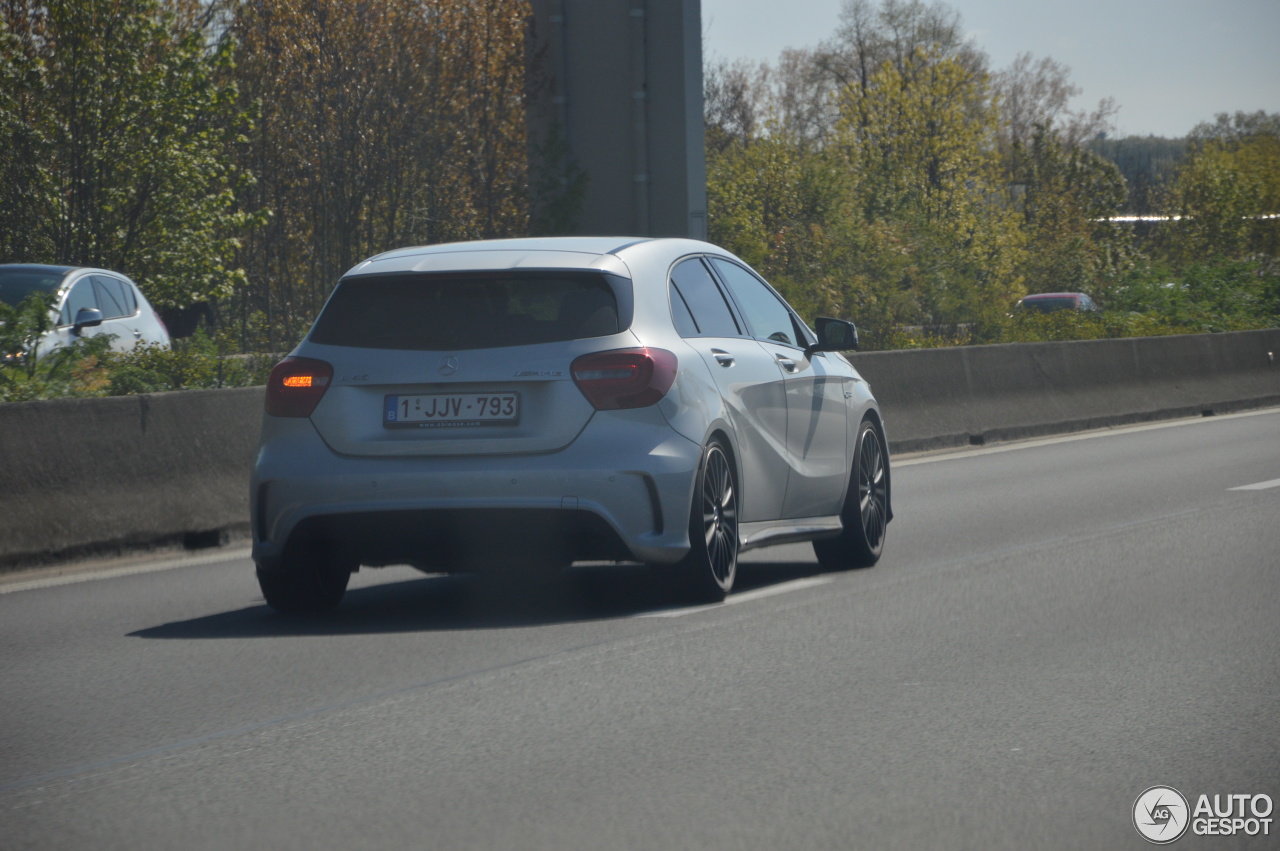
536, 402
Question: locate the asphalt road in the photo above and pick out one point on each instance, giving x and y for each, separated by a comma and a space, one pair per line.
1055, 627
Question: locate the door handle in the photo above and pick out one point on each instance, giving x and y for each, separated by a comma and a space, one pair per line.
723, 358
787, 363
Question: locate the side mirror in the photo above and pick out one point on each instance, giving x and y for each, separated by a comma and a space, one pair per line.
834, 335
87, 317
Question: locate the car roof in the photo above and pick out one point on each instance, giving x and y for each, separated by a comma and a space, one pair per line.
608, 254
38, 267
58, 269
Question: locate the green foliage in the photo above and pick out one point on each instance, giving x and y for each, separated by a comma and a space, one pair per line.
117, 127
197, 362
923, 200
238, 157
27, 372
900, 217
381, 124
1151, 301
241, 156
1068, 196
921, 147
1209, 296
1148, 164
89, 367
22, 327
1227, 193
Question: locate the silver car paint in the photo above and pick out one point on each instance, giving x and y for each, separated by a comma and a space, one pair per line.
634, 468
139, 327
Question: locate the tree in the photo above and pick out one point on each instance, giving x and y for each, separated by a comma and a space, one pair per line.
1228, 191
896, 31
1069, 196
117, 129
384, 123
922, 145
1036, 94
733, 96
801, 98
1148, 164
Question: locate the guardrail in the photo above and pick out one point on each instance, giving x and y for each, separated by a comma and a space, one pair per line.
79, 476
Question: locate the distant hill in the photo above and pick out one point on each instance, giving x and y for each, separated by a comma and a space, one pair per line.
1146, 162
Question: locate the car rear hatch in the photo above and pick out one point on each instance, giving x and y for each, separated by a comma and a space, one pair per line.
453, 364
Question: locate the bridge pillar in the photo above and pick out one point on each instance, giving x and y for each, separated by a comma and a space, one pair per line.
620, 81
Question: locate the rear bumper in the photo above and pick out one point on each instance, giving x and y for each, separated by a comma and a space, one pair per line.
621, 489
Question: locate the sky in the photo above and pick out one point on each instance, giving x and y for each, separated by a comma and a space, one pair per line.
1169, 64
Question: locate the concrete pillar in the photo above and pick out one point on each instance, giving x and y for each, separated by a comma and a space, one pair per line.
622, 79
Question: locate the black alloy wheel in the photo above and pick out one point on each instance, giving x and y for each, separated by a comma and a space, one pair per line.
706, 574
866, 508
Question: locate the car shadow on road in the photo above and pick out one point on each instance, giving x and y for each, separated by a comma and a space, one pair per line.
431, 603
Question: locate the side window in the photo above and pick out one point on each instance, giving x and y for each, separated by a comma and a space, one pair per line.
766, 315
111, 299
680, 315
695, 292
130, 298
81, 295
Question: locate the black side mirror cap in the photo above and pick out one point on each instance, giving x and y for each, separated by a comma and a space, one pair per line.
87, 317
834, 335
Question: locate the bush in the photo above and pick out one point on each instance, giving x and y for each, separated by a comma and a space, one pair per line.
199, 361
90, 368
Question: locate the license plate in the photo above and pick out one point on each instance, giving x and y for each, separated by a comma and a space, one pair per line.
451, 410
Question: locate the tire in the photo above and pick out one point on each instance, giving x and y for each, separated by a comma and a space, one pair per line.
706, 574
305, 583
866, 508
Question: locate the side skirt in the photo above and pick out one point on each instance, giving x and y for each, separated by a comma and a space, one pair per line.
765, 533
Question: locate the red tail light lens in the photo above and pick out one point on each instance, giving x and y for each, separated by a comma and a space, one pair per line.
624, 378
296, 385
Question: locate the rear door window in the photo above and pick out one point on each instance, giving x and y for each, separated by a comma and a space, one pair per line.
480, 311
698, 307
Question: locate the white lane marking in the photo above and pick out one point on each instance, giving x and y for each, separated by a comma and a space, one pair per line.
747, 597
88, 574
1258, 486
931, 456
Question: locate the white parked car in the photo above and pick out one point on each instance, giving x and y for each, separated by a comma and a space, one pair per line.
543, 401
87, 302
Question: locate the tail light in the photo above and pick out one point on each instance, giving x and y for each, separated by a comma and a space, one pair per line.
624, 378
296, 385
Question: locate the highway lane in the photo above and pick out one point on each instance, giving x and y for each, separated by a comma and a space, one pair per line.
1055, 627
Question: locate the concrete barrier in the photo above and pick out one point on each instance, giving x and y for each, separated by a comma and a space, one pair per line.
88, 475
935, 398
79, 476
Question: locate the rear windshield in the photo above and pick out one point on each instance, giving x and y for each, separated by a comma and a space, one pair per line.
473, 311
